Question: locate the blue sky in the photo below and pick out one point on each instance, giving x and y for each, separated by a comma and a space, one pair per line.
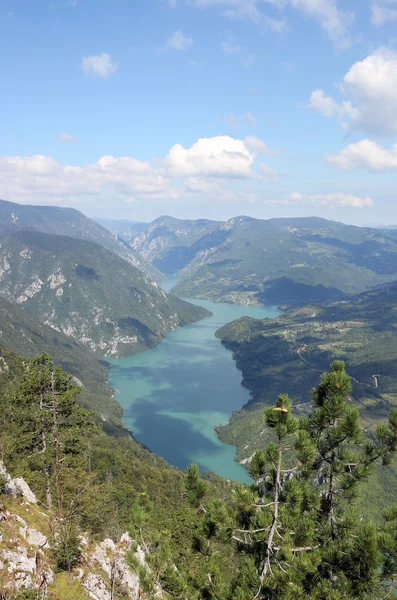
201, 108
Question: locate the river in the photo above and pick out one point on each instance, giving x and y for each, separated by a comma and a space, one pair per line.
175, 394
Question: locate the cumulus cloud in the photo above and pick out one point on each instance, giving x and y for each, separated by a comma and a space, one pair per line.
67, 138
365, 155
208, 166
334, 199
101, 65
178, 41
220, 156
372, 86
326, 106
331, 18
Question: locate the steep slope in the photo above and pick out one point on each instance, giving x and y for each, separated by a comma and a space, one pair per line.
71, 222
287, 355
168, 243
129, 524
123, 229
88, 293
289, 261
20, 334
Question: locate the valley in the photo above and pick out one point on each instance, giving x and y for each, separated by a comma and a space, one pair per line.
185, 380
174, 395
198, 300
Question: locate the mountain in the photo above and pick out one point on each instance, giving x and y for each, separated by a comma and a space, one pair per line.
288, 261
168, 243
23, 336
288, 354
70, 222
128, 519
123, 229
88, 293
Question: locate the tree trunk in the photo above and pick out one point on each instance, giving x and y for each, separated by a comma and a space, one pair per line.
56, 437
43, 434
48, 493
269, 549
330, 500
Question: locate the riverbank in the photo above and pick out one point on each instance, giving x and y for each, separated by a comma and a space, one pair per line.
175, 395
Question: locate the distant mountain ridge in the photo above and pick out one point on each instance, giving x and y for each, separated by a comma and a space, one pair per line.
87, 292
124, 229
288, 261
168, 242
70, 222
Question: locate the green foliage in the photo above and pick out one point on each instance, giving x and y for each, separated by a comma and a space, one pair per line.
287, 261
112, 485
89, 293
290, 352
195, 486
67, 546
299, 526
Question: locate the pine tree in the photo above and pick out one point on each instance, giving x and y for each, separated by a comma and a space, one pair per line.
300, 524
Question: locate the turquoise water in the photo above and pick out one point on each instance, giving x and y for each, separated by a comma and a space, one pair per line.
175, 394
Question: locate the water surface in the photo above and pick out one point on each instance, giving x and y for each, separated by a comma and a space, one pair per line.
175, 394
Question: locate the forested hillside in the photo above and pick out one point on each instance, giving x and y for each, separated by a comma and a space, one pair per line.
289, 352
287, 262
105, 518
25, 337
71, 222
87, 292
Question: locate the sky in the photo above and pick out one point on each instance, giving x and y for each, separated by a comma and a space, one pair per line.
131, 109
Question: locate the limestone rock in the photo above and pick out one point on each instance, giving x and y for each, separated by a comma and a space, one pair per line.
16, 487
25, 490
19, 561
36, 538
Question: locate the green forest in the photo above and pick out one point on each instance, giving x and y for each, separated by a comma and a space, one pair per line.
296, 532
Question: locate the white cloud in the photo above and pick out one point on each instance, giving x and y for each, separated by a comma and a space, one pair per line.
172, 3
328, 107
99, 66
210, 165
331, 18
178, 41
220, 156
256, 145
67, 138
372, 85
365, 155
382, 14
339, 199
